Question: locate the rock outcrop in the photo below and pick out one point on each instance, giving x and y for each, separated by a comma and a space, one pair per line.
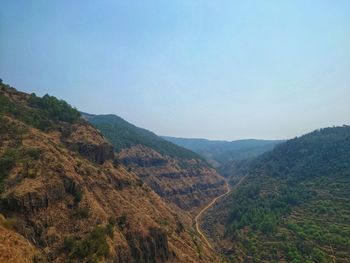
97, 153
189, 184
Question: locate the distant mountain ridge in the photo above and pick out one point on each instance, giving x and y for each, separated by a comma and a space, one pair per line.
123, 134
222, 152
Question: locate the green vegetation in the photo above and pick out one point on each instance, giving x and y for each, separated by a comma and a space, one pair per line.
92, 247
78, 195
225, 152
261, 212
7, 162
55, 109
9, 130
41, 113
12, 156
121, 221
83, 212
294, 204
123, 134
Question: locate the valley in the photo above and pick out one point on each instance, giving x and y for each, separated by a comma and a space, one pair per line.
175, 131
95, 188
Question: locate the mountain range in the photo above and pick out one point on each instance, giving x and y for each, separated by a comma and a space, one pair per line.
80, 187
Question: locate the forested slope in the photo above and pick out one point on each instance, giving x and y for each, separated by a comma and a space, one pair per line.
294, 204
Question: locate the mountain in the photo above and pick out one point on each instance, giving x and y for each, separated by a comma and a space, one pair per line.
65, 198
221, 153
123, 134
179, 175
292, 205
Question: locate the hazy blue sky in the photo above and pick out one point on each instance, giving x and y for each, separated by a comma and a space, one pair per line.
213, 69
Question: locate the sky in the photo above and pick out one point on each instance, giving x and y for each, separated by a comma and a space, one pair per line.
189, 68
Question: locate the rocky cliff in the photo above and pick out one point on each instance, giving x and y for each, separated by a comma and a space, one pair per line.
63, 197
188, 183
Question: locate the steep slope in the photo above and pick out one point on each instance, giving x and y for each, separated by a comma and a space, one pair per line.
293, 205
221, 153
177, 174
62, 196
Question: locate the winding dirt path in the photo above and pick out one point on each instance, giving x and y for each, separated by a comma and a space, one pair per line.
210, 205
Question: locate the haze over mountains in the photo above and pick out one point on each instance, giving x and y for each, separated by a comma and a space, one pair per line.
265, 84
111, 191
222, 152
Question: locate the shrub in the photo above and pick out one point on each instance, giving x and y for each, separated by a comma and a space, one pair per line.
78, 195
139, 182
121, 221
92, 246
82, 212
7, 162
33, 153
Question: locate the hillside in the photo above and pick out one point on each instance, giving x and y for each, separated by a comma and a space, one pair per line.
123, 134
293, 205
179, 175
64, 198
221, 153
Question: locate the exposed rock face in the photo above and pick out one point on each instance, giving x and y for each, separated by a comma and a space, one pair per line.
189, 184
151, 248
97, 153
32, 199
29, 202
88, 142
144, 161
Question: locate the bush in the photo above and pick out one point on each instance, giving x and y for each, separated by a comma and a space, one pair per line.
7, 162
82, 212
139, 182
78, 195
121, 221
33, 153
91, 247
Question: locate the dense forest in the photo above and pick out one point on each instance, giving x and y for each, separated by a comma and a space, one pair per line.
294, 203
